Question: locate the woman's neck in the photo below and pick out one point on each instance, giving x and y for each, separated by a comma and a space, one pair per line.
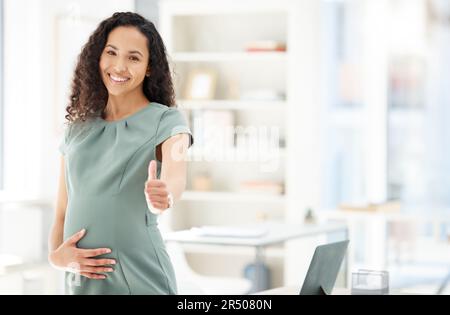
123, 105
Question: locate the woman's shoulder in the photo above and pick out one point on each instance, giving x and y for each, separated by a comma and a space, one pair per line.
164, 109
157, 120
166, 115
172, 122
73, 130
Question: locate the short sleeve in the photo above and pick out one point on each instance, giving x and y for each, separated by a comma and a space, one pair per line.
172, 123
65, 140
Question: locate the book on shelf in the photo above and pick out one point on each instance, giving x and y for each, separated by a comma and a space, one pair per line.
265, 187
389, 206
202, 182
265, 46
406, 82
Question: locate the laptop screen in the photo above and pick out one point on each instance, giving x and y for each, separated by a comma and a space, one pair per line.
324, 268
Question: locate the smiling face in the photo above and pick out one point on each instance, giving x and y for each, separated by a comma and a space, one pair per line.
124, 61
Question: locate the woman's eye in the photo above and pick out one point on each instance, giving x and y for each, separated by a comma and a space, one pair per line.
134, 58
111, 53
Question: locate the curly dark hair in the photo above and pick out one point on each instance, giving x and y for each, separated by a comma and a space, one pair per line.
89, 95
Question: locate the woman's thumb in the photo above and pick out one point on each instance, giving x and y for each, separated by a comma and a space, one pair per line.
152, 170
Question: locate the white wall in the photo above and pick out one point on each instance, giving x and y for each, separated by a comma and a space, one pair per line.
23, 94
32, 130
148, 9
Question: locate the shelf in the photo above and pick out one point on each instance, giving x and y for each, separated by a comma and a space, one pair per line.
271, 252
229, 56
355, 117
406, 117
232, 105
231, 197
235, 155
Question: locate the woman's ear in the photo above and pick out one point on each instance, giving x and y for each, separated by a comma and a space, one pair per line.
147, 74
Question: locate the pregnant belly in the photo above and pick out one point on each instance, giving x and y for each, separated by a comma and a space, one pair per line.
107, 220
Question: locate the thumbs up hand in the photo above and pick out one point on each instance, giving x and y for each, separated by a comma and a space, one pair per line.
156, 193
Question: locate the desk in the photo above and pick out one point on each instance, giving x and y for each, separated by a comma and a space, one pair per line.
295, 290
376, 229
276, 233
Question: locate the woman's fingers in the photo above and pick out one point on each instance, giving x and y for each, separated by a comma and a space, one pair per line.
76, 237
156, 199
157, 191
93, 276
159, 205
161, 201
155, 183
158, 194
90, 269
99, 262
94, 252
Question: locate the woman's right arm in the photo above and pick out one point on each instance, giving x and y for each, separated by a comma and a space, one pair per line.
65, 254
57, 231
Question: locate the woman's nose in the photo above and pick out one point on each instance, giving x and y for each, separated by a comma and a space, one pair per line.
120, 66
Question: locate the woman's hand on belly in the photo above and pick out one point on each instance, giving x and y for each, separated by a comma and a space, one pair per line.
70, 258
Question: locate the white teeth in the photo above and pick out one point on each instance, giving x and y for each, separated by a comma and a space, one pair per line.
118, 79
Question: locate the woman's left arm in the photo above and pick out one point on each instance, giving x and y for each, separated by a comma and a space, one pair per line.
174, 165
173, 172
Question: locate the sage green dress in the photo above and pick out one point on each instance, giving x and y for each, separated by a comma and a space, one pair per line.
106, 168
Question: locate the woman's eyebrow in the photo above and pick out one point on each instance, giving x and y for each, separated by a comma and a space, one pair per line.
136, 52
131, 51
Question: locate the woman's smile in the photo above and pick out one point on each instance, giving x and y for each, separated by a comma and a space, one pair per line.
115, 79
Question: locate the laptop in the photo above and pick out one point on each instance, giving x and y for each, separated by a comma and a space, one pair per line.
324, 268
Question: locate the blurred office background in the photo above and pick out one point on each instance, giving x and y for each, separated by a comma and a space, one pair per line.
339, 111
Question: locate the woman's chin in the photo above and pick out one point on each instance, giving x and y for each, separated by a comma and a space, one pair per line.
117, 91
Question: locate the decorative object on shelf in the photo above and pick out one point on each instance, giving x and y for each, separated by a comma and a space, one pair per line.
389, 206
265, 46
234, 90
350, 85
282, 142
438, 11
202, 182
406, 82
370, 282
201, 84
309, 216
262, 186
261, 216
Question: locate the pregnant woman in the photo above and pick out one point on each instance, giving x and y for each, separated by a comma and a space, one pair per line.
123, 162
